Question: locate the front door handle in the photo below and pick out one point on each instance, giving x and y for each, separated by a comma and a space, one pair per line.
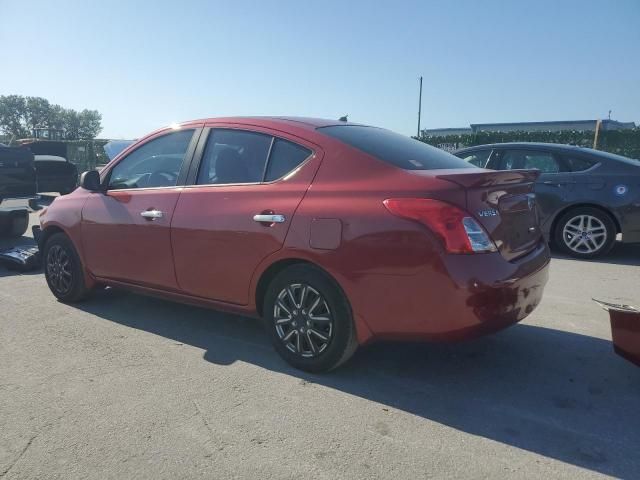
151, 214
263, 218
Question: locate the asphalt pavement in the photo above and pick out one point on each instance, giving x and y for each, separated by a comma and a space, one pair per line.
125, 386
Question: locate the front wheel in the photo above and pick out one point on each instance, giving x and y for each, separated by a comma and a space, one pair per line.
63, 269
585, 232
309, 319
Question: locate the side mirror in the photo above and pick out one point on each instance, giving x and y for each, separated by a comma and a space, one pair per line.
91, 181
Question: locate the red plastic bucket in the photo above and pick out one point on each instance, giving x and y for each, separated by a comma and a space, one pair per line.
625, 330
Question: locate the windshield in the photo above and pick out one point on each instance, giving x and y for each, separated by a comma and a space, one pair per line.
393, 148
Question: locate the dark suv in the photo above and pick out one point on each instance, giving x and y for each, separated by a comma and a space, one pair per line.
585, 197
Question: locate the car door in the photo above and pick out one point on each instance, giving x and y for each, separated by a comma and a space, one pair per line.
554, 185
126, 229
237, 212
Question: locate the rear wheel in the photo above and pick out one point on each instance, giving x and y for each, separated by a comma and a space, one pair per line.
309, 319
585, 232
63, 270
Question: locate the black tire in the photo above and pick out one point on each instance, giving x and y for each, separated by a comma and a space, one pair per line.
587, 242
313, 353
63, 269
19, 223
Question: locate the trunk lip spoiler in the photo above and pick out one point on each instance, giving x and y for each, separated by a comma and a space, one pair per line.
491, 178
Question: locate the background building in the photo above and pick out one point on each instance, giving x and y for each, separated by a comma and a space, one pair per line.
553, 126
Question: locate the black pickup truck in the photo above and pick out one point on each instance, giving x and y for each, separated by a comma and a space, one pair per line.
54, 172
17, 181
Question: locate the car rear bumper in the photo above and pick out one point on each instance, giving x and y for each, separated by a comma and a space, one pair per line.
629, 220
462, 297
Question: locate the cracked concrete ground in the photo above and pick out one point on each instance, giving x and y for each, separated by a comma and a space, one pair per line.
124, 386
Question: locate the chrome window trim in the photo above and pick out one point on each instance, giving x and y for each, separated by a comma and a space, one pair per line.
266, 165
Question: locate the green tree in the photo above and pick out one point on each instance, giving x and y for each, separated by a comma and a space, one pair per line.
56, 117
71, 122
37, 113
90, 124
20, 115
12, 115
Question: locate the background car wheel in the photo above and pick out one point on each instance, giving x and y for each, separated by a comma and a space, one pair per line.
63, 269
19, 223
309, 319
585, 232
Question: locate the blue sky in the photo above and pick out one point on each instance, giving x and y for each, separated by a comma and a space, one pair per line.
144, 64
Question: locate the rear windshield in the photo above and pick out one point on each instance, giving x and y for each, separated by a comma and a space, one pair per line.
393, 148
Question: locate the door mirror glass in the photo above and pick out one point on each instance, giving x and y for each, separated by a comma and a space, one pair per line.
91, 181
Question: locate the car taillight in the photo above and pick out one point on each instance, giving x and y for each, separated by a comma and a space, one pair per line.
459, 232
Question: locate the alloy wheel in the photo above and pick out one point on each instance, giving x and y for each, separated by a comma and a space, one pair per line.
303, 320
59, 269
584, 234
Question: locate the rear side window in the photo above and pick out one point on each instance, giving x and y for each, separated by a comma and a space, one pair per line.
285, 157
541, 161
522, 159
477, 159
234, 156
393, 148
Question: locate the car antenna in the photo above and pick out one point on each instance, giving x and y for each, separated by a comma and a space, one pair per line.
343, 118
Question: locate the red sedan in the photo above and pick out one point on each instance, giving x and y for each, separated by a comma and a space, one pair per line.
334, 233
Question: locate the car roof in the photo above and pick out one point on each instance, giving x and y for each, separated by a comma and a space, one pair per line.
293, 125
309, 123
558, 147
542, 146
54, 158
538, 145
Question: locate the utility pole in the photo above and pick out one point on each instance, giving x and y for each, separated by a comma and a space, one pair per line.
595, 136
419, 107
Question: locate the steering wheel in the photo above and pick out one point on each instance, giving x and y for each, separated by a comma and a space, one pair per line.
162, 178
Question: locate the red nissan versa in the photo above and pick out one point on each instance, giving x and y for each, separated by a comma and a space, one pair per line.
334, 233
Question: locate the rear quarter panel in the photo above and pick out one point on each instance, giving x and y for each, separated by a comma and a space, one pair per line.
374, 246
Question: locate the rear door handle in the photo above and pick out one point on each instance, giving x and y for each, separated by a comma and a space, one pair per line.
262, 218
151, 214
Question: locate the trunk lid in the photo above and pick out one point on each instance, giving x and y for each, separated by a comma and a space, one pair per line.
503, 202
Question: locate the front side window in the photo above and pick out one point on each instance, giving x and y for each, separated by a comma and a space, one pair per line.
522, 159
477, 159
234, 156
157, 163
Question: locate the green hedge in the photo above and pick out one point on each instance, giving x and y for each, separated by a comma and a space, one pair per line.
622, 142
